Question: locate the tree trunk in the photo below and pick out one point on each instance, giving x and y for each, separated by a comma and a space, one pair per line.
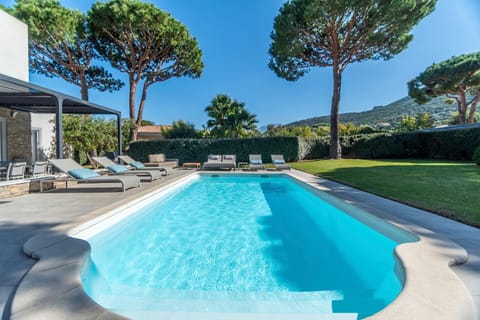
131, 104
143, 99
83, 87
134, 133
335, 147
473, 107
462, 108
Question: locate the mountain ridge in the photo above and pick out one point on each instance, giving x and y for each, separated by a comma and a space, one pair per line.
388, 115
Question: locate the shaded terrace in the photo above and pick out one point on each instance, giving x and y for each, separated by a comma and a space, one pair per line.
23, 96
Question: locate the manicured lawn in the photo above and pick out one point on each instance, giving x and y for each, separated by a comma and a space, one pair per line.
451, 189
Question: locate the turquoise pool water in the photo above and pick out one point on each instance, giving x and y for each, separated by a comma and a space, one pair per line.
245, 244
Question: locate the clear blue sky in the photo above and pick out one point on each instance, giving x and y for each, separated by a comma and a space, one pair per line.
234, 38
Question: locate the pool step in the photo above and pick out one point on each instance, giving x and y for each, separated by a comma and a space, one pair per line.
154, 315
364, 307
246, 303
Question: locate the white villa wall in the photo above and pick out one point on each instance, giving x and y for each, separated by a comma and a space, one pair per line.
14, 63
13, 47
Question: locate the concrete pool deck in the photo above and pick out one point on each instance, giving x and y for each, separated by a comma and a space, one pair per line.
26, 284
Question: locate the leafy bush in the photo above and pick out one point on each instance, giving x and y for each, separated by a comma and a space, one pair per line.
313, 148
476, 156
180, 130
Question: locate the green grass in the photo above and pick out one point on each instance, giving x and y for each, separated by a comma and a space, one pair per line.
448, 188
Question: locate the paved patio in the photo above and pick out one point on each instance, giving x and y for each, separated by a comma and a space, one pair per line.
56, 211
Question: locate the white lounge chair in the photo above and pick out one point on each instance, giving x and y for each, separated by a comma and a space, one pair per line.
229, 161
255, 162
214, 161
80, 174
279, 162
124, 170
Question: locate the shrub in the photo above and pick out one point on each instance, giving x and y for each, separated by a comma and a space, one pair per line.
313, 148
476, 156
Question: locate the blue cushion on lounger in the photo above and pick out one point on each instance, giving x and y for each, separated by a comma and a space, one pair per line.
278, 162
83, 173
137, 165
256, 161
118, 168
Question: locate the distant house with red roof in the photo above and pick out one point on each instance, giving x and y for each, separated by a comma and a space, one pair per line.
153, 132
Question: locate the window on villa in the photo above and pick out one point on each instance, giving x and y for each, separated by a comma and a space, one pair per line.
36, 146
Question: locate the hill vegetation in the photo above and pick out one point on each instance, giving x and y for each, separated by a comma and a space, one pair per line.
390, 115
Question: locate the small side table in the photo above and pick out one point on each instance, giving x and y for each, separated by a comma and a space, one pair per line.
240, 164
195, 165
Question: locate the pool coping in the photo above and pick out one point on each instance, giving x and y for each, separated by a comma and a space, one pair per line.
432, 289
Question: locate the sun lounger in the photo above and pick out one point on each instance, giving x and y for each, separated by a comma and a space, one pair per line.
80, 174
279, 162
137, 165
123, 170
216, 161
255, 162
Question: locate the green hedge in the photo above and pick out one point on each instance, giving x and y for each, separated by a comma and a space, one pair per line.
197, 150
382, 146
448, 145
476, 156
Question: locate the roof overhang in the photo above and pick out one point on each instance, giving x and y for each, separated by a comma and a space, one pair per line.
24, 96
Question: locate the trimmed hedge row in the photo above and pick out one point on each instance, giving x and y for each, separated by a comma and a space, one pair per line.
476, 156
449, 145
197, 150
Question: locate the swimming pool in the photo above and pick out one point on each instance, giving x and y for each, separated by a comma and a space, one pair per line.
244, 244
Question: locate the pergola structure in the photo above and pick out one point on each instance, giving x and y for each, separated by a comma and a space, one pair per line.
24, 96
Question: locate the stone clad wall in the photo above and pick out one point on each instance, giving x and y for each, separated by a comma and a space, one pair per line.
14, 188
19, 144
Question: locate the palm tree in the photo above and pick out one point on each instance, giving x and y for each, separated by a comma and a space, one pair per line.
218, 110
241, 122
230, 119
